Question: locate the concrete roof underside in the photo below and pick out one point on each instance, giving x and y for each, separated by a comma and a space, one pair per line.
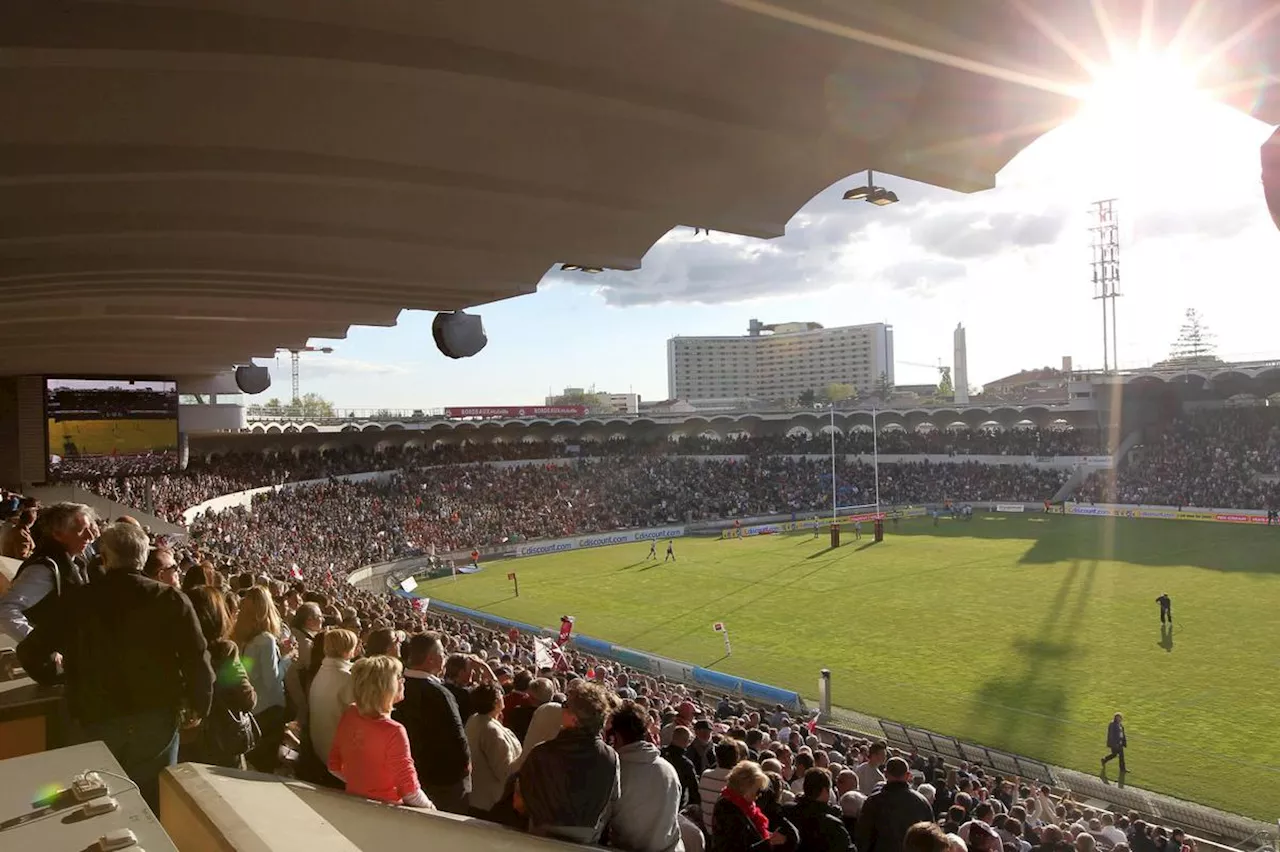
185, 185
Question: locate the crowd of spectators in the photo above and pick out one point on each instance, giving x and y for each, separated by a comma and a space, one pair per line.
1219, 458
292, 670
168, 496
461, 507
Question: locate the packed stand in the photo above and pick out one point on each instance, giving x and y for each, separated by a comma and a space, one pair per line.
168, 495
1210, 458
347, 525
162, 654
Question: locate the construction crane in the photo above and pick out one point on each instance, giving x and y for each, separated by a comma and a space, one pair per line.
944, 372
293, 357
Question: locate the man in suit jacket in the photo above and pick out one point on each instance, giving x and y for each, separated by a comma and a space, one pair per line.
437, 739
1116, 741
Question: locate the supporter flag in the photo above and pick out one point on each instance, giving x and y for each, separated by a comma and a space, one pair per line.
812, 724
566, 628
548, 656
295, 572
421, 604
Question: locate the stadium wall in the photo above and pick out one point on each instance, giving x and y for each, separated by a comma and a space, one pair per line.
648, 663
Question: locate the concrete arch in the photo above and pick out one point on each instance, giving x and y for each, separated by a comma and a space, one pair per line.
309, 428
273, 429
291, 429
393, 427
351, 427
829, 429
925, 427
258, 429
957, 426
893, 426
992, 426
710, 435
798, 431
1023, 425
371, 427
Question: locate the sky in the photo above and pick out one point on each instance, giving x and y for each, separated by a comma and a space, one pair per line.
1011, 264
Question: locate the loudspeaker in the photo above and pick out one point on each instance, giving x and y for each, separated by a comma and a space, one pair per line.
252, 379
1271, 175
458, 334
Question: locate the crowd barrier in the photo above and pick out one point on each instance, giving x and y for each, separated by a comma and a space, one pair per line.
559, 545
649, 663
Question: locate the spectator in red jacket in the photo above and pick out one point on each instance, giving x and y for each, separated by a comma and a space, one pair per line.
370, 750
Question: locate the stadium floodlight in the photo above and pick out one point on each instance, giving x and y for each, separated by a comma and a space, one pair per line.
577, 267
872, 194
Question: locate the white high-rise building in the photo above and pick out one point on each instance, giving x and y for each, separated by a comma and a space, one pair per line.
779, 362
960, 367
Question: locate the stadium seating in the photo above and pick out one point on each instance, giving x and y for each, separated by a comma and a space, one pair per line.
305, 540
1221, 458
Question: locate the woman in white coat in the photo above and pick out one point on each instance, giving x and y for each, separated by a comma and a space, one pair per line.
493, 747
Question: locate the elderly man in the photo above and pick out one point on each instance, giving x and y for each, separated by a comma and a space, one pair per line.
430, 717
65, 530
569, 785
134, 657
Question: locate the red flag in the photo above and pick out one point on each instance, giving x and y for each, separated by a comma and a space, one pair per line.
511, 576
566, 628
812, 724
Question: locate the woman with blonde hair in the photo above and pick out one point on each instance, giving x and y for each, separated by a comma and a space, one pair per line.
331, 690
370, 750
739, 824
257, 634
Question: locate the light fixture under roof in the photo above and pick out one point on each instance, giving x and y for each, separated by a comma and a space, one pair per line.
871, 193
576, 267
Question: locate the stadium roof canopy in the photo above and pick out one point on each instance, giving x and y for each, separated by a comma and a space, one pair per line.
185, 184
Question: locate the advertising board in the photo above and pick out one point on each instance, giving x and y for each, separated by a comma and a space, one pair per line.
1011, 507
560, 545
514, 412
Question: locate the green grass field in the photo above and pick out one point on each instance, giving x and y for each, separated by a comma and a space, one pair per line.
1024, 633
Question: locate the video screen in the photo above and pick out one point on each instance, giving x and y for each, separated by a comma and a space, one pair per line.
111, 427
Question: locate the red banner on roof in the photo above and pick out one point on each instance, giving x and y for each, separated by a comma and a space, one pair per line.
515, 411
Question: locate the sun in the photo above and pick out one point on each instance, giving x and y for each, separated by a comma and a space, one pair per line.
1141, 124
1139, 89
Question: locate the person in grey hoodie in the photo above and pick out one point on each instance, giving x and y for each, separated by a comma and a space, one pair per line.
644, 818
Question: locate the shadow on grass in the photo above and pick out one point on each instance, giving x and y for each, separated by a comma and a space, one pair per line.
495, 603
1166, 637
714, 663
1140, 541
1034, 701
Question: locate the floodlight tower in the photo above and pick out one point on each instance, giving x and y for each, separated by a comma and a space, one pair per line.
1105, 264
